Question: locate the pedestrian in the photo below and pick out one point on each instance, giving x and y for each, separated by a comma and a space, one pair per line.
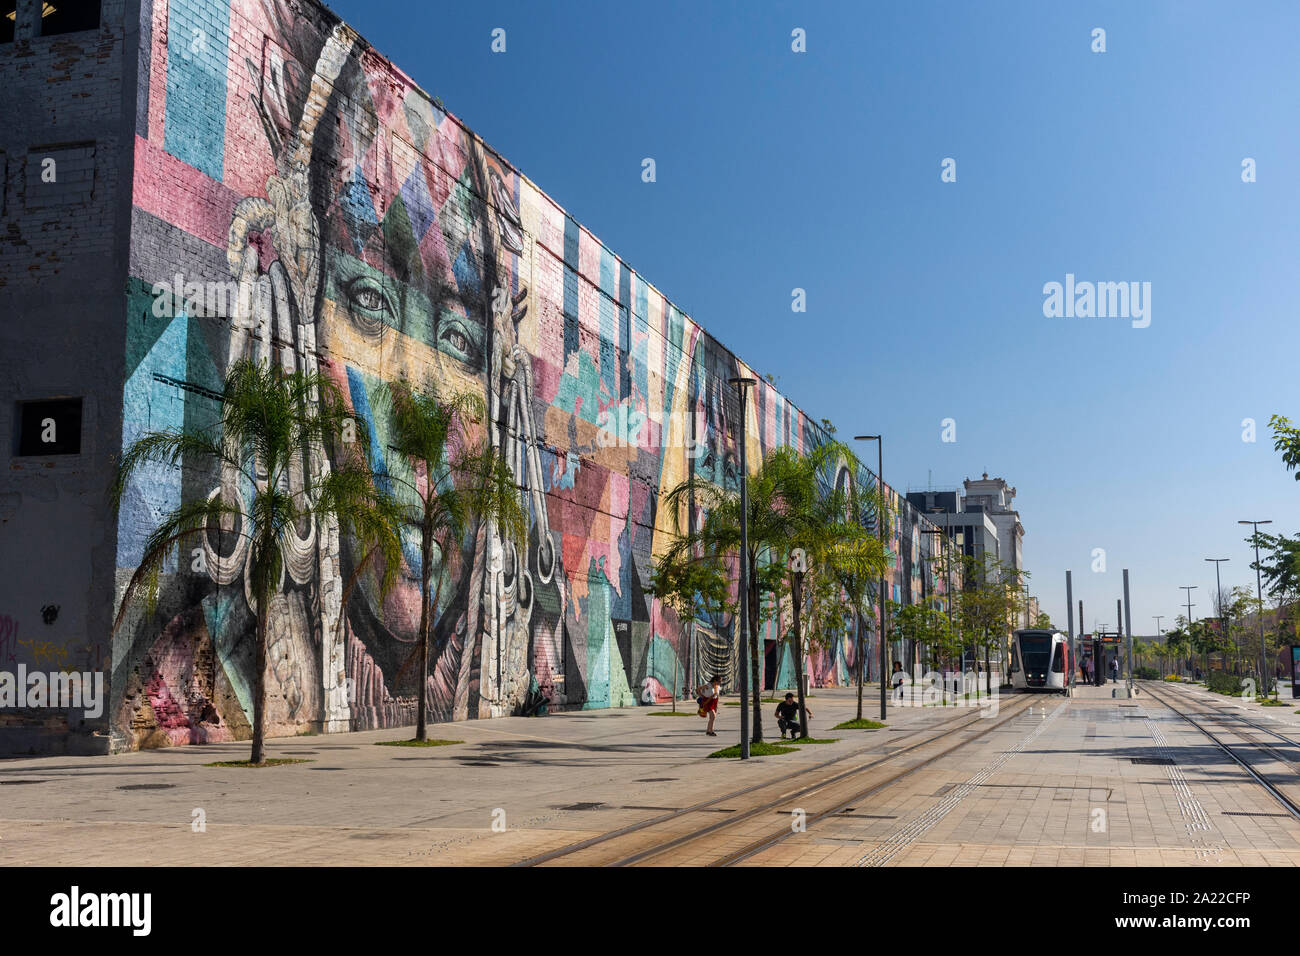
1083, 670
707, 697
787, 716
1114, 670
898, 678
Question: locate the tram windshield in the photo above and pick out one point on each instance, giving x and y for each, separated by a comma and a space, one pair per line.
1036, 651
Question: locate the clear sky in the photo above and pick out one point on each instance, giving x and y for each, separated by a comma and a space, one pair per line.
925, 301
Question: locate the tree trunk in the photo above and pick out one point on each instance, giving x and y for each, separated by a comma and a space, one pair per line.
859, 654
797, 587
988, 672
259, 684
755, 681
426, 560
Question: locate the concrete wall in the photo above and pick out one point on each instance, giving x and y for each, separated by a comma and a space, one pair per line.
275, 151
63, 229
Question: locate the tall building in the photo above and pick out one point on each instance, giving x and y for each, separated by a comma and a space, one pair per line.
188, 183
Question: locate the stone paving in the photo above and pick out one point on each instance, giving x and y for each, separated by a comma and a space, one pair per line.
1076, 798
1056, 786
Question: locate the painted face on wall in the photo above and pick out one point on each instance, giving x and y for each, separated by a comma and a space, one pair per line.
409, 252
715, 406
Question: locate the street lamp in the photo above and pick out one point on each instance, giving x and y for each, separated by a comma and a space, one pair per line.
1218, 599
1259, 595
880, 525
741, 384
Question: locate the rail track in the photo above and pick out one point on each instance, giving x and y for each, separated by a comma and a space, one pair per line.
697, 836
1239, 754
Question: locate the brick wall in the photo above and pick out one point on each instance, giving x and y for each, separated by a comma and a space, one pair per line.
66, 144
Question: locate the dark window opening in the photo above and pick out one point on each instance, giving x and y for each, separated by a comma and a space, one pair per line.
68, 16
49, 427
8, 20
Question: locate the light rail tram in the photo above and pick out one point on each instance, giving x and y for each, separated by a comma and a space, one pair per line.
1040, 660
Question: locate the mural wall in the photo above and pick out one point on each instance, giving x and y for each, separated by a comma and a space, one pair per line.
298, 199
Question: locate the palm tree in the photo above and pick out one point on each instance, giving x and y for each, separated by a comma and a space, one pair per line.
457, 486
274, 429
787, 508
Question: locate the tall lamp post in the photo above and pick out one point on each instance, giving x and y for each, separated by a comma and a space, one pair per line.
741, 384
1259, 595
880, 526
1218, 599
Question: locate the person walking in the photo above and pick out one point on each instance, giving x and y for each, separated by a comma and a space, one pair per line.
707, 697
1114, 669
898, 678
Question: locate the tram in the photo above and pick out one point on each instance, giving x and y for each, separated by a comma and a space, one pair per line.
1040, 660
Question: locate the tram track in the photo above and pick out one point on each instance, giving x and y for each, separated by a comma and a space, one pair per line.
696, 835
1273, 786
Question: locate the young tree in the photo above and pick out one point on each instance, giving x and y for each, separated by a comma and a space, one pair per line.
693, 587
989, 603
787, 508
272, 422
456, 484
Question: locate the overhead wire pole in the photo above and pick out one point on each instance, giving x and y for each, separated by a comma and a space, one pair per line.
1069, 615
1259, 596
880, 525
1128, 629
1189, 589
1218, 598
1160, 633
741, 384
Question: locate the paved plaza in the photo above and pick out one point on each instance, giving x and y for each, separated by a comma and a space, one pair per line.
1094, 780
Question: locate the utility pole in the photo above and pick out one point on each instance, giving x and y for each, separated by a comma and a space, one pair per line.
880, 525
1218, 599
1128, 628
1069, 614
1190, 605
1159, 634
741, 384
1259, 595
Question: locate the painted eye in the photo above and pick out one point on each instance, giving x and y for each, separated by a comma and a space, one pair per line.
457, 341
368, 304
365, 293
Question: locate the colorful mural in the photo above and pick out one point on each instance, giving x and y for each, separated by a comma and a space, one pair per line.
317, 209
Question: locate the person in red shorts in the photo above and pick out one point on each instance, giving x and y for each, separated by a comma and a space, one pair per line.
707, 698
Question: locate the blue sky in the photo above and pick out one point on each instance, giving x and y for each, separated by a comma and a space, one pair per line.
821, 171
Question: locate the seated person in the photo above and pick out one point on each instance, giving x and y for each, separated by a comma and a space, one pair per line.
787, 716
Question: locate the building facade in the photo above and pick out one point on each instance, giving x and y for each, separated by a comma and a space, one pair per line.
250, 179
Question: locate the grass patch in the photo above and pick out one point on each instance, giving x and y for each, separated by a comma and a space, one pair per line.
862, 724
416, 743
755, 750
275, 762
672, 713
1270, 702
813, 740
